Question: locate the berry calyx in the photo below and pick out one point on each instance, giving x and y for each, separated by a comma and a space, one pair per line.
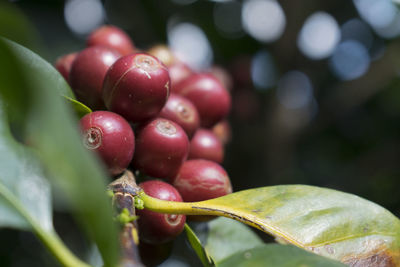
206, 145
111, 137
182, 111
161, 148
163, 53
112, 37
87, 74
157, 228
200, 180
136, 87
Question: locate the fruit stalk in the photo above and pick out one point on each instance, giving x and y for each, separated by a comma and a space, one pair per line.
124, 190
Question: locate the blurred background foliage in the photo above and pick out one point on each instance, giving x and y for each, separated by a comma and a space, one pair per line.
316, 95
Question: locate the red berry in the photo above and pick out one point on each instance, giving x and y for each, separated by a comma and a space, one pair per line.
223, 131
182, 111
209, 96
157, 228
64, 63
136, 87
161, 148
206, 145
223, 76
113, 37
154, 254
178, 72
111, 137
87, 74
200, 179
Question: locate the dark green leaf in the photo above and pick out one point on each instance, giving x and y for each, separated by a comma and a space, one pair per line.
274, 255
30, 88
194, 241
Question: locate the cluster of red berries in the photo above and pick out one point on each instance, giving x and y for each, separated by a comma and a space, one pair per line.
155, 115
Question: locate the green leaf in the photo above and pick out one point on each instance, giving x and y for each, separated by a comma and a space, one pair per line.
227, 237
30, 89
273, 255
334, 224
194, 241
21, 179
80, 108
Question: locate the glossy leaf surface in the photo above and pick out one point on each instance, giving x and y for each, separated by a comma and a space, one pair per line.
331, 223
273, 255
30, 90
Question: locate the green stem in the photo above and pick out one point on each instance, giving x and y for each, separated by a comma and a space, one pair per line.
49, 238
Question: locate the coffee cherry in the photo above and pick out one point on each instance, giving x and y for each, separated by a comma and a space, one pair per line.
161, 148
200, 179
112, 37
206, 145
223, 131
209, 96
182, 111
87, 74
136, 87
178, 72
111, 137
223, 76
157, 228
64, 63
163, 53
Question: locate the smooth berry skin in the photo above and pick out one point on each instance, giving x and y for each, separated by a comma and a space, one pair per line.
158, 228
223, 131
112, 37
209, 96
88, 72
161, 148
136, 87
153, 255
178, 72
111, 137
182, 111
200, 180
64, 63
206, 145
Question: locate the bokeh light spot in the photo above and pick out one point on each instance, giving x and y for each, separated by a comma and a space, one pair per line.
264, 20
83, 16
295, 90
319, 36
263, 70
350, 60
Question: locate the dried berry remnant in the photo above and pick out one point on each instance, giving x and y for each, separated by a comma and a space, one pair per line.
182, 111
161, 148
158, 228
206, 145
111, 137
210, 97
64, 63
136, 87
88, 72
200, 179
113, 37
163, 53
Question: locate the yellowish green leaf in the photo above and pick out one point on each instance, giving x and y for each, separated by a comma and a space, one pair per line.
334, 224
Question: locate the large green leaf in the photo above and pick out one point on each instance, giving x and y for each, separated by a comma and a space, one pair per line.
337, 225
21, 177
273, 255
30, 89
227, 237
